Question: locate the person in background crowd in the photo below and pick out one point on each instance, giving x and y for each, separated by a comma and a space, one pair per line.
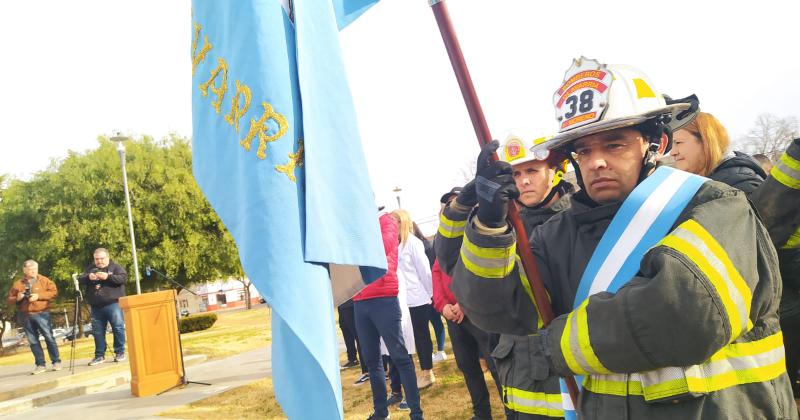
414, 271
436, 318
406, 326
347, 323
104, 281
32, 295
469, 342
378, 316
700, 148
764, 161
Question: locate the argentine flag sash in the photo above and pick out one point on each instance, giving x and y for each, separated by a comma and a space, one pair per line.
646, 216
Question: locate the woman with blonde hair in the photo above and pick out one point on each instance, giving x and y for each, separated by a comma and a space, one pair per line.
413, 269
701, 148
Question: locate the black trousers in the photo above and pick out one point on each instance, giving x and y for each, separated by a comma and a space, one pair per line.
420, 317
347, 323
469, 344
791, 343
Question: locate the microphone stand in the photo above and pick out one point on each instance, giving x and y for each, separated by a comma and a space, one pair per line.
77, 323
184, 379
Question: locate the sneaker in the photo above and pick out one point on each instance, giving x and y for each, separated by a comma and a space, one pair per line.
350, 364
120, 357
361, 379
97, 360
440, 356
56, 366
426, 379
394, 399
374, 416
38, 370
403, 406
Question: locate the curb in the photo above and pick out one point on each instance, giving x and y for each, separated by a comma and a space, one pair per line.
31, 397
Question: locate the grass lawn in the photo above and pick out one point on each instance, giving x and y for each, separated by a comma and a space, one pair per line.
447, 399
234, 332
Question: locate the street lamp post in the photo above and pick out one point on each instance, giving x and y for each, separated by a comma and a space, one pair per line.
397, 191
121, 150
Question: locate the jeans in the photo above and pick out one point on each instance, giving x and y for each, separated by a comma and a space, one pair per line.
380, 318
36, 324
102, 316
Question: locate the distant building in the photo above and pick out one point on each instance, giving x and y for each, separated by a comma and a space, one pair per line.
212, 296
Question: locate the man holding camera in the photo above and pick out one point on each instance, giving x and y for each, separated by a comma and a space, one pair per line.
32, 295
104, 281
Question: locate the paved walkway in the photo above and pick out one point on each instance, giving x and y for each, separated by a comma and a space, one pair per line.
118, 403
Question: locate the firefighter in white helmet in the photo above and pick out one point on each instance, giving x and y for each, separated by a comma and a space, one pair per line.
667, 282
526, 392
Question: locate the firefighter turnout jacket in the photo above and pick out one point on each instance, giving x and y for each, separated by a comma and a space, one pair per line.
529, 388
693, 335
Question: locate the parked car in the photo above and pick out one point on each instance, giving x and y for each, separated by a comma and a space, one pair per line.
184, 312
70, 335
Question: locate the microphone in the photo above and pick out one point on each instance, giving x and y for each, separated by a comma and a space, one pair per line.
75, 282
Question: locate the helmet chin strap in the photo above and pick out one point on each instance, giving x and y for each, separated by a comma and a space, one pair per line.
653, 130
558, 188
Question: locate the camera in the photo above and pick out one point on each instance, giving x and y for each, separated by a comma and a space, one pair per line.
27, 293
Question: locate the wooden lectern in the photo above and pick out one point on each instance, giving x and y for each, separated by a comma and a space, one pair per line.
153, 342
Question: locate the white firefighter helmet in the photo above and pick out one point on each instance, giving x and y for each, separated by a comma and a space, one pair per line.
595, 97
521, 146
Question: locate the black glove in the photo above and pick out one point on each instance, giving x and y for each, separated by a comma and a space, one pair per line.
495, 186
468, 197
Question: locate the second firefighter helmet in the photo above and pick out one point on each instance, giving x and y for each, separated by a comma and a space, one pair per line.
521, 146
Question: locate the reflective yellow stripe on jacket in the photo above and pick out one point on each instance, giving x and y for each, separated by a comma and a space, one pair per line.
794, 240
735, 364
787, 171
451, 228
537, 403
576, 346
693, 241
494, 263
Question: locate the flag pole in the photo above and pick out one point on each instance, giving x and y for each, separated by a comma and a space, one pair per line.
484, 136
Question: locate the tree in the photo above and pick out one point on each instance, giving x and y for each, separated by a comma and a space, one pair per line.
63, 213
771, 135
466, 172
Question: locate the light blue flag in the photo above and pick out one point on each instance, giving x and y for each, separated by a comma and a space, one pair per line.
287, 176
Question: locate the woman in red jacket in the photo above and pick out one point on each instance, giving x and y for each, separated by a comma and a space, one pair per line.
377, 313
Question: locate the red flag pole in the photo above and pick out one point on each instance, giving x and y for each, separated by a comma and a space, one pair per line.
484, 136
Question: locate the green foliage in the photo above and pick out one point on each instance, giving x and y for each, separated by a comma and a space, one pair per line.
78, 204
197, 322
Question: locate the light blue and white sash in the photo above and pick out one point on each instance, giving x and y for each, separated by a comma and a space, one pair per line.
646, 216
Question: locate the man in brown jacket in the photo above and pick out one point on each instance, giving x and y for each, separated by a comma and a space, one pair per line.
32, 295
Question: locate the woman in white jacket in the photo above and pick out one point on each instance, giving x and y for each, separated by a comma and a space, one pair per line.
413, 270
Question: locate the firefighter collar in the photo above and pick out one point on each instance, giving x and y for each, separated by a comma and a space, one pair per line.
583, 97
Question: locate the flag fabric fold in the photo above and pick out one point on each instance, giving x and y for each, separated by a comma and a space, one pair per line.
276, 151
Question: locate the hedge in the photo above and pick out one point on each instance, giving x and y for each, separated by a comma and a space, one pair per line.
197, 322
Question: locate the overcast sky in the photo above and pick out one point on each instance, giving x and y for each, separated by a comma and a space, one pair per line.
73, 70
